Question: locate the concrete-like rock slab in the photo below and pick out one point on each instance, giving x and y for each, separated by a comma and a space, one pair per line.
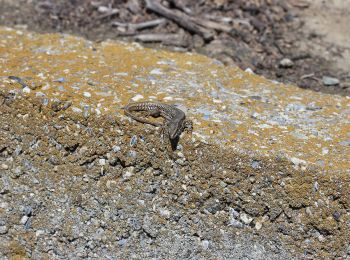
228, 106
265, 173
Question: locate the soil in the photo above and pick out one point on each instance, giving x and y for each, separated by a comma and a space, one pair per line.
311, 35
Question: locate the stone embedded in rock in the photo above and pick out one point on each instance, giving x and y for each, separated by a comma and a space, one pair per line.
286, 63
245, 218
330, 81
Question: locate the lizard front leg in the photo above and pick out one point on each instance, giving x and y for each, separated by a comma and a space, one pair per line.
188, 125
164, 131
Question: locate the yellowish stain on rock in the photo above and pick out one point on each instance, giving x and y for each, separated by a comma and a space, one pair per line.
228, 106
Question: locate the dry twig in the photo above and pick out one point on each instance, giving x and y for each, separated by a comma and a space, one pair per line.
140, 26
165, 38
180, 18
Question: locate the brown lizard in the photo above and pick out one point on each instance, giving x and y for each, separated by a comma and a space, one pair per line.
175, 119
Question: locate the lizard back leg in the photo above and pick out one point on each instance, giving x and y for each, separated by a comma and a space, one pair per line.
154, 113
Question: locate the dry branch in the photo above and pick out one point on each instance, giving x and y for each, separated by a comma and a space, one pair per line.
139, 26
212, 25
180, 18
165, 38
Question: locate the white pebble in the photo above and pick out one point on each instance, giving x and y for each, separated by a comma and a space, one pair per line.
26, 90
205, 244
39, 233
102, 162
4, 166
156, 72
258, 225
165, 213
249, 70
127, 175
77, 110
87, 94
286, 63
24, 220
137, 97
245, 218
4, 205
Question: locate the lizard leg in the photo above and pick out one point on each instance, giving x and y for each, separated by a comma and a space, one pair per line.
188, 125
164, 132
154, 113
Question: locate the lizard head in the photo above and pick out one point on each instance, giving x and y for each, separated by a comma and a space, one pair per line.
175, 129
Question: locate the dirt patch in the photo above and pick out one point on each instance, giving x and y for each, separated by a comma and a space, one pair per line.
289, 41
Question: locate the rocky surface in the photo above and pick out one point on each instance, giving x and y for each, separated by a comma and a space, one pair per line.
265, 173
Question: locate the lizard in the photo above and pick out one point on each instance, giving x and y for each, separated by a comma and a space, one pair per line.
175, 119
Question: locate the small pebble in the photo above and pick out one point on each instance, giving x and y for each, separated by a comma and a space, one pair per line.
60, 80
111, 184
156, 72
4, 166
102, 162
133, 141
223, 184
205, 244
39, 233
249, 70
336, 215
132, 154
45, 101
255, 164
77, 110
299, 163
345, 143
116, 148
180, 154
258, 225
234, 213
26, 90
245, 218
321, 163
286, 63
87, 94
330, 81
129, 172
308, 211
103, 9
321, 238
235, 223
164, 213
4, 205
122, 242
86, 112
137, 97
325, 151
3, 230
24, 220
181, 162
